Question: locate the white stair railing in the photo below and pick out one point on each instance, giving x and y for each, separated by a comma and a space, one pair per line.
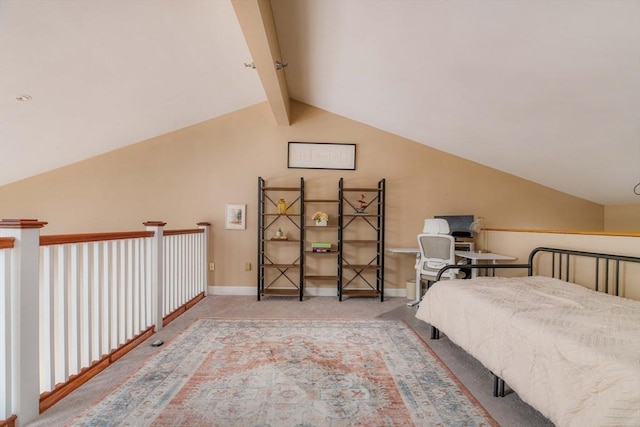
96, 296
184, 267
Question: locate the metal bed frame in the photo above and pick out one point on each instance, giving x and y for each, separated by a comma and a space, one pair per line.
561, 261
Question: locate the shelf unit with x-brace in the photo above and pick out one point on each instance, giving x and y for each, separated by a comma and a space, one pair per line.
361, 241
280, 267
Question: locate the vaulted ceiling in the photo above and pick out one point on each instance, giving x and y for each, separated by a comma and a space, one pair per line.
545, 90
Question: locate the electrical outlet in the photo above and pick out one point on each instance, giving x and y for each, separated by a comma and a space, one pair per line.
247, 266
212, 266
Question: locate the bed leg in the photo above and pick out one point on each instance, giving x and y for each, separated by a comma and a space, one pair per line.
498, 386
435, 333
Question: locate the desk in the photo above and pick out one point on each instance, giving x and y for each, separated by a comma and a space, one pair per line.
486, 256
473, 256
416, 252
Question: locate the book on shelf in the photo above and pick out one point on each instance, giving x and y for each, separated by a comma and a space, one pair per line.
323, 250
325, 245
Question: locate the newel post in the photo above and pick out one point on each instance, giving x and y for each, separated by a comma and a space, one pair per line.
205, 226
157, 269
24, 318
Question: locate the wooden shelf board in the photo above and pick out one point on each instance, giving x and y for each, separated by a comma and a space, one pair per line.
281, 265
281, 240
321, 277
361, 241
287, 292
321, 201
281, 188
361, 266
316, 227
360, 293
359, 189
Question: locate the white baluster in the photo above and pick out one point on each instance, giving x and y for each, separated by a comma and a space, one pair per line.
96, 302
6, 401
86, 321
47, 323
73, 325
114, 302
60, 315
136, 287
128, 295
122, 277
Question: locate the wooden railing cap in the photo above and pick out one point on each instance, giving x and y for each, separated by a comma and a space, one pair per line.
21, 223
155, 223
586, 233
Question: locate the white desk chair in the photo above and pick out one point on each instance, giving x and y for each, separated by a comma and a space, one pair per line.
437, 249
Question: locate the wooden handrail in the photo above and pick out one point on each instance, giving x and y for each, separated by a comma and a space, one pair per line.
7, 242
586, 233
61, 239
188, 231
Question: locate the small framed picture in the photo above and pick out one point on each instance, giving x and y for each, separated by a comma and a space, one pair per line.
235, 218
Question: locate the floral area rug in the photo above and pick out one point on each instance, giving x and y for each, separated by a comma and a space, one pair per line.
291, 373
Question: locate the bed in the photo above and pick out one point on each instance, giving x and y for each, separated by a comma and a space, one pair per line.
571, 352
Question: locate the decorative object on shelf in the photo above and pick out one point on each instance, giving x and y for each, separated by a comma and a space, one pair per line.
282, 206
362, 201
321, 247
320, 218
279, 233
235, 217
477, 227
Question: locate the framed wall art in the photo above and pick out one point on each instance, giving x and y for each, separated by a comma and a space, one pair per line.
321, 155
235, 217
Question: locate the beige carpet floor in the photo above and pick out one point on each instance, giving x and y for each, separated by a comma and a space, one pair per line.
507, 411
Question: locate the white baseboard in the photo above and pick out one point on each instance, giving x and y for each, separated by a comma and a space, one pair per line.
310, 291
232, 290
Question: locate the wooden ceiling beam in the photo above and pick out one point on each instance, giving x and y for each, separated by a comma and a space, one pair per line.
259, 29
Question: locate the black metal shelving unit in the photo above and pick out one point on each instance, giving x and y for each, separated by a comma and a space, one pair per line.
361, 241
280, 261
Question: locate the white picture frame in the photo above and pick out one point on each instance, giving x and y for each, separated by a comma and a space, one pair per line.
321, 155
235, 216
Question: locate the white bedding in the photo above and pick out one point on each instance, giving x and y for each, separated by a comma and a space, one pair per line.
570, 352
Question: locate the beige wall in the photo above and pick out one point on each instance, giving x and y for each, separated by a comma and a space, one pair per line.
622, 218
189, 175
